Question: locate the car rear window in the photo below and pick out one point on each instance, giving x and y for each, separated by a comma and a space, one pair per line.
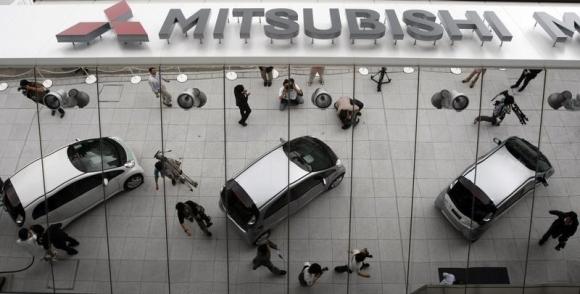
527, 154
238, 204
470, 201
310, 154
90, 155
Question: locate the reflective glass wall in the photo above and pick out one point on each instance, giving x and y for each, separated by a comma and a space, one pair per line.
288, 179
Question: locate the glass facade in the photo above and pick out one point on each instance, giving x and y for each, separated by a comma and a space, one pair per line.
331, 159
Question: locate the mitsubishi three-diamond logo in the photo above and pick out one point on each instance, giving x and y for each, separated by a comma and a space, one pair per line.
118, 16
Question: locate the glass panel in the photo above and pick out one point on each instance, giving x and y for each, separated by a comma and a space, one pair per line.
383, 143
130, 112
193, 164
73, 165
545, 263
446, 143
319, 229
255, 191
506, 169
20, 147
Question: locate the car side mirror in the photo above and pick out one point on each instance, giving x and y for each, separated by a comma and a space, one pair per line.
497, 141
77, 140
282, 140
105, 182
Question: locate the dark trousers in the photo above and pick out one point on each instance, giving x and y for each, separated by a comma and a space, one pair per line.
526, 78
245, 111
203, 221
552, 232
492, 119
66, 242
262, 261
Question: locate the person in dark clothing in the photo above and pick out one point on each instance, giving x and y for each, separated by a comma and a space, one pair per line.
193, 211
310, 273
59, 239
241, 95
527, 75
36, 92
263, 258
267, 73
502, 107
564, 227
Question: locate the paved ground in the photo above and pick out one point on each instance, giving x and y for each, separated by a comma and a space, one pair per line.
135, 239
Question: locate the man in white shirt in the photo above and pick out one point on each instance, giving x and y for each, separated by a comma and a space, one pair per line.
158, 88
290, 93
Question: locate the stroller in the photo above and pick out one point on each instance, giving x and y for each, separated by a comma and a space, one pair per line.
171, 168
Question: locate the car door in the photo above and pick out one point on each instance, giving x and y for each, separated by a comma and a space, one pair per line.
306, 190
276, 212
71, 199
114, 181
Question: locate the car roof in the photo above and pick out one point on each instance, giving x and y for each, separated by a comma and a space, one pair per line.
268, 176
28, 182
499, 175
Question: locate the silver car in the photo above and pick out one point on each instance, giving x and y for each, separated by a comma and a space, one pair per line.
76, 178
486, 190
278, 184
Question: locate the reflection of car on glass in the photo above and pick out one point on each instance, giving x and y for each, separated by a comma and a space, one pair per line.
278, 184
74, 179
482, 193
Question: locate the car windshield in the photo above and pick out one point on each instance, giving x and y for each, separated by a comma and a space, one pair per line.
465, 195
310, 154
238, 204
90, 156
527, 154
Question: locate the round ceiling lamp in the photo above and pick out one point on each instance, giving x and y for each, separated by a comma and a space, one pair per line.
47, 83
363, 71
231, 75
3, 86
135, 79
408, 69
455, 70
91, 79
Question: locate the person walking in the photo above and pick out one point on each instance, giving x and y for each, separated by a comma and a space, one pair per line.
241, 95
358, 257
562, 228
266, 72
316, 69
193, 211
310, 273
263, 257
59, 239
290, 94
527, 75
158, 88
501, 108
36, 91
474, 76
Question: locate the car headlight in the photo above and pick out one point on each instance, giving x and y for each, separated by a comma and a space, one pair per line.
130, 164
338, 162
252, 221
19, 219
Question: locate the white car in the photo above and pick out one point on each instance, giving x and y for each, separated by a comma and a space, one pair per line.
76, 178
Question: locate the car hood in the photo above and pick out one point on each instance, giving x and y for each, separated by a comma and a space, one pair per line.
268, 176
29, 183
499, 175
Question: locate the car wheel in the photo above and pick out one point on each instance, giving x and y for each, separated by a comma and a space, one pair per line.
133, 182
336, 182
262, 238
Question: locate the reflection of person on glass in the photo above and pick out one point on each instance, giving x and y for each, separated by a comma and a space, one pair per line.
158, 88
502, 107
192, 211
474, 76
242, 95
36, 92
263, 258
562, 228
527, 75
290, 94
